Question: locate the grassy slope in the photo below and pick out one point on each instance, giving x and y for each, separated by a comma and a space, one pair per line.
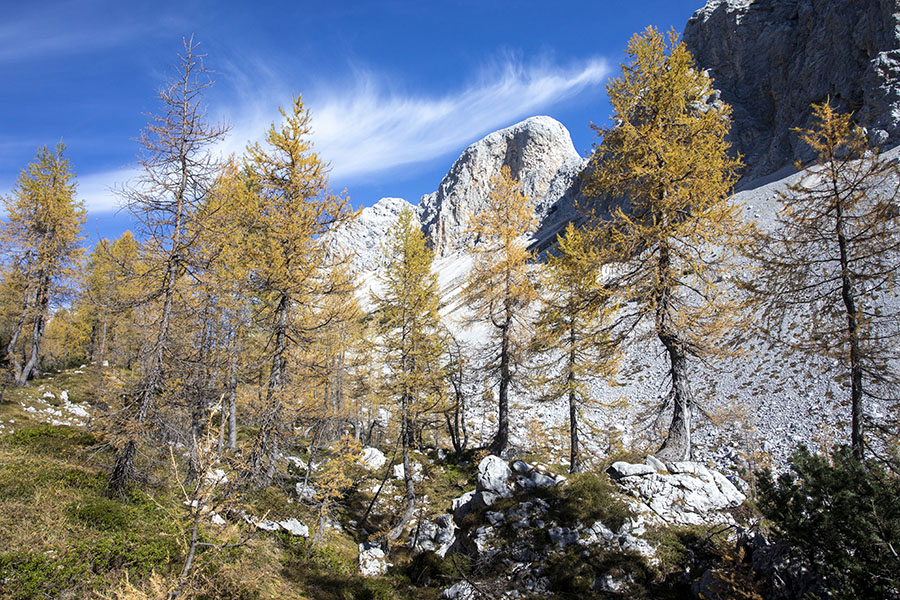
62, 538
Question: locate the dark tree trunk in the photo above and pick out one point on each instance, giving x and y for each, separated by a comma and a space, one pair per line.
266, 445
42, 304
574, 458
501, 439
856, 384
677, 446
397, 531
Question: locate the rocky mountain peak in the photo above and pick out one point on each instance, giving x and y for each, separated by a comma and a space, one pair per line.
771, 59
539, 153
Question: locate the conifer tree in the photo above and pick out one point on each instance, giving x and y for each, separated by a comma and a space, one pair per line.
833, 254
225, 240
499, 290
178, 169
411, 342
574, 326
673, 244
293, 208
41, 237
110, 291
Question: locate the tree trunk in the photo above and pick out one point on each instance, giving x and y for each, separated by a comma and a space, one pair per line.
104, 329
42, 304
232, 401
856, 384
124, 471
501, 439
574, 459
14, 339
397, 531
677, 446
266, 442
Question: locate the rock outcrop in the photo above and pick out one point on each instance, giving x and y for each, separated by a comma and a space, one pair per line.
771, 59
683, 493
538, 152
364, 237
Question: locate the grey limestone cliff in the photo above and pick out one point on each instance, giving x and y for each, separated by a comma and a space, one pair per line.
771, 59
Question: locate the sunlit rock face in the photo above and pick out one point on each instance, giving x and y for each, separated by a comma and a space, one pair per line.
771, 59
538, 152
364, 237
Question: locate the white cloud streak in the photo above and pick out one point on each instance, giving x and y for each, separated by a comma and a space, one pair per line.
366, 129
97, 190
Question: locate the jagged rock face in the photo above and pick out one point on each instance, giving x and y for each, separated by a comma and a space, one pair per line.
365, 235
539, 153
771, 59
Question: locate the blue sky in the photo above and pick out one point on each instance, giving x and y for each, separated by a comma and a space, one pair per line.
397, 89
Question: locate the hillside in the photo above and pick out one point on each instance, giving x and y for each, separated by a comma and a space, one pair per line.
271, 395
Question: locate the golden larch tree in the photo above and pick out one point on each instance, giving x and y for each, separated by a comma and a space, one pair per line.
41, 237
410, 336
499, 290
833, 254
573, 329
293, 209
672, 245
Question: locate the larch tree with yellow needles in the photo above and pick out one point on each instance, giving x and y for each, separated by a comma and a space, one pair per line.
673, 244
833, 254
574, 328
410, 336
41, 236
499, 290
293, 209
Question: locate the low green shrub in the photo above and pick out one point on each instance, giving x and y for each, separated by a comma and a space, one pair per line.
844, 515
591, 497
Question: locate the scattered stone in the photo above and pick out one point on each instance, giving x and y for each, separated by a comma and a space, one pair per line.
621, 469
522, 468
305, 491
462, 590
657, 464
437, 535
372, 560
493, 473
294, 527
563, 537
416, 468
373, 459
297, 462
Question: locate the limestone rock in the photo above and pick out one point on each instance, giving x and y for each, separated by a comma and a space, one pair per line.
373, 459
771, 59
462, 590
493, 473
437, 535
416, 472
690, 494
539, 153
364, 236
295, 527
621, 469
372, 560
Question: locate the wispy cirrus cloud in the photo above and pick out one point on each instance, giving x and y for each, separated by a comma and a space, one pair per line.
367, 128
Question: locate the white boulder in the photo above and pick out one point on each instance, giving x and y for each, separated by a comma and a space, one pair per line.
372, 560
373, 459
